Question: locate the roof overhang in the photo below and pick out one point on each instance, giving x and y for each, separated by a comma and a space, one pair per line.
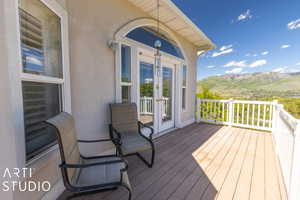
176, 20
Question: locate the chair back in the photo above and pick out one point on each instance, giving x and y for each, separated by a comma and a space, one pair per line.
69, 150
124, 118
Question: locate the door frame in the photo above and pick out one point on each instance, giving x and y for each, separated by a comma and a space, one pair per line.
147, 55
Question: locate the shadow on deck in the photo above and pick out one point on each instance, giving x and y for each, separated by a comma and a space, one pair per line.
203, 161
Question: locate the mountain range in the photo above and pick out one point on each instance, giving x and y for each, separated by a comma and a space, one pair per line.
254, 85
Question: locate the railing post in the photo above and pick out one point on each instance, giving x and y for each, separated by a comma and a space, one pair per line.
230, 117
198, 110
275, 114
294, 192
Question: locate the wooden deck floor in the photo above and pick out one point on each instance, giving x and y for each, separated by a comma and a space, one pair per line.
206, 162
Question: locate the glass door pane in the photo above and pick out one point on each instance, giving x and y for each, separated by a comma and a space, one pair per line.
146, 93
167, 94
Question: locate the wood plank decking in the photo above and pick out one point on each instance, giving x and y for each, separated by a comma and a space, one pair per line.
206, 162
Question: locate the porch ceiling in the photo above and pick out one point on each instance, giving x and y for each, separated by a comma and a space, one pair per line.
176, 20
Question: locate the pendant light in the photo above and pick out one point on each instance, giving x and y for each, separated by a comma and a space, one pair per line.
157, 45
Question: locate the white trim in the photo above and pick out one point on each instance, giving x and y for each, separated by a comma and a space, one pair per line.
41, 78
136, 48
183, 110
187, 122
168, 56
118, 90
13, 48
21, 76
125, 84
118, 72
139, 22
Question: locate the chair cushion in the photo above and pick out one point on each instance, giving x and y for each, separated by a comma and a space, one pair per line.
133, 143
101, 174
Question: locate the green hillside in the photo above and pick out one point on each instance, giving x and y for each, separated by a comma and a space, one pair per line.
284, 87
256, 85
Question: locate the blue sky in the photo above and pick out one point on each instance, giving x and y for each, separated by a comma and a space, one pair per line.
251, 36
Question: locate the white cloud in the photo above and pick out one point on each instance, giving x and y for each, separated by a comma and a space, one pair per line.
223, 48
254, 55
265, 53
258, 63
234, 71
34, 60
294, 24
244, 16
285, 46
298, 63
248, 54
215, 54
280, 69
236, 64
200, 53
211, 66
293, 70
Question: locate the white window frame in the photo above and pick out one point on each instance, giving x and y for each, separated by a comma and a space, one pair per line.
118, 70
64, 82
184, 109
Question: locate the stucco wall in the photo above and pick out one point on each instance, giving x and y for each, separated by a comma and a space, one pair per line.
11, 123
7, 139
92, 25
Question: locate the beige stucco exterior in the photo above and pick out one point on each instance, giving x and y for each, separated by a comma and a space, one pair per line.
92, 24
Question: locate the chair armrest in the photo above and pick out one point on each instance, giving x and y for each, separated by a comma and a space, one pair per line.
101, 140
113, 132
80, 166
146, 126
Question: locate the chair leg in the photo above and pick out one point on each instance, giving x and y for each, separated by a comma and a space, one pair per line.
129, 191
150, 165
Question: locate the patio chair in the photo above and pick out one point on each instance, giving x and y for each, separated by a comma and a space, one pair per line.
128, 130
85, 175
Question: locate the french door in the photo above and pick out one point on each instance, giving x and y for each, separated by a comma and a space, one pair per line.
156, 94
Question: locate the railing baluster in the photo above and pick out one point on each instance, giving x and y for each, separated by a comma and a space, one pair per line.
271, 116
243, 107
228, 112
219, 112
215, 110
223, 111
238, 113
248, 107
264, 117
253, 112
210, 113
258, 115
233, 112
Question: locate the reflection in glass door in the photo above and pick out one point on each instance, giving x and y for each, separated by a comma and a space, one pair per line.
166, 115
167, 85
146, 93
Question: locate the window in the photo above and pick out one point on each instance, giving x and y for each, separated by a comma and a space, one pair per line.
42, 78
126, 82
41, 101
184, 86
148, 36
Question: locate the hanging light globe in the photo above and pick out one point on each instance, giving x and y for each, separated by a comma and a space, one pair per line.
157, 44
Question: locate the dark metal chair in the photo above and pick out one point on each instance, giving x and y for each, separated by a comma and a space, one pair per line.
126, 128
85, 175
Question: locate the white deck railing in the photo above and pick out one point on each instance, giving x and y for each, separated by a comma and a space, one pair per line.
146, 105
286, 132
261, 115
247, 114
